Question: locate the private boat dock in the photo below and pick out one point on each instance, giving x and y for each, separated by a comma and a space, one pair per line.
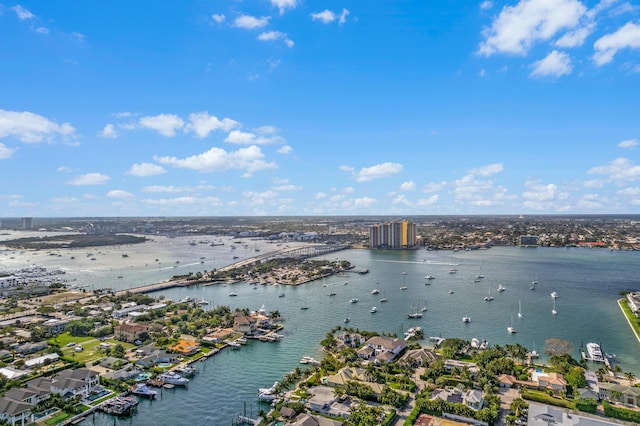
120, 405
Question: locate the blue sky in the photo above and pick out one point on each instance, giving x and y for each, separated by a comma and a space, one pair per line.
298, 107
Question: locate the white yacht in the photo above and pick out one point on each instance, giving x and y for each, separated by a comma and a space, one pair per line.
594, 351
173, 379
511, 329
353, 300
374, 310
268, 394
466, 319
429, 277
232, 294
404, 287
554, 295
375, 291
501, 288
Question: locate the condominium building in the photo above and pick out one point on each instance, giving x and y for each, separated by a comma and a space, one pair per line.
396, 234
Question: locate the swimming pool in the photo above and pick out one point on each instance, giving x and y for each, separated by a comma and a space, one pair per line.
164, 365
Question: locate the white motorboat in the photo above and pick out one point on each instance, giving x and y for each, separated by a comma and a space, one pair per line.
466, 319
375, 291
554, 295
353, 300
374, 310
594, 351
268, 394
173, 379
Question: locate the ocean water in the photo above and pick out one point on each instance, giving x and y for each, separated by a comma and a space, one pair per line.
588, 283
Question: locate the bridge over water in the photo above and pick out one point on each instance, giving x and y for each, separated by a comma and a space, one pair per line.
288, 252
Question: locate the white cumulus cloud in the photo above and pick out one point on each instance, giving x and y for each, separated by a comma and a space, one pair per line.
30, 128
619, 170
89, 179
274, 36
23, 13
250, 160
428, 201
555, 64
407, 186
165, 124
606, 47
109, 131
120, 194
378, 171
629, 143
5, 151
248, 22
517, 28
146, 169
218, 18
285, 149
201, 123
488, 170
283, 5
246, 138
326, 16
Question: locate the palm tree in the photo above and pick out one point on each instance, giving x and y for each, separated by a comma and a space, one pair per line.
630, 377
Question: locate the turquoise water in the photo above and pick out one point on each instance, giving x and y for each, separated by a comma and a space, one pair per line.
588, 283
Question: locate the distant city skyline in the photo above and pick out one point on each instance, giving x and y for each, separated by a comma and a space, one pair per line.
287, 107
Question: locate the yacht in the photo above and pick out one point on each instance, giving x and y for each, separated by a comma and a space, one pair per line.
594, 351
404, 287
346, 320
375, 291
374, 310
173, 379
268, 394
309, 360
281, 295
141, 389
554, 295
353, 300
414, 315
429, 277
501, 288
466, 319
488, 297
233, 294
511, 329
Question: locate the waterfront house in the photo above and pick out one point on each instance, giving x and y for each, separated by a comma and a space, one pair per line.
76, 382
29, 396
15, 412
158, 357
351, 340
385, 349
218, 336
131, 332
185, 347
244, 324
633, 300
126, 308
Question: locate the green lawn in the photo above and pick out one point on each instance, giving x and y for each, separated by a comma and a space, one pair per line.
90, 344
64, 339
57, 419
635, 324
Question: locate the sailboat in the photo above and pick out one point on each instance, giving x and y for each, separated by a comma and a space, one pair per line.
383, 299
413, 313
305, 306
553, 311
511, 329
520, 310
488, 297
